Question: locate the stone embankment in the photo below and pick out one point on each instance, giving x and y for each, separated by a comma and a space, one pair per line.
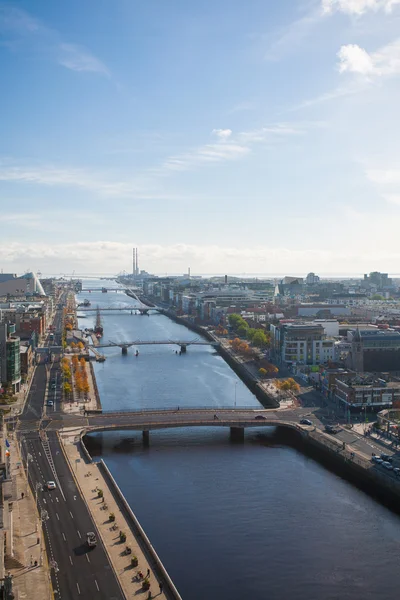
252, 382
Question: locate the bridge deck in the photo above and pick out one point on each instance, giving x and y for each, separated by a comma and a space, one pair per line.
158, 343
149, 420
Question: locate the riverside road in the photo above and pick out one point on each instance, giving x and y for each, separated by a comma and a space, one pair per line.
75, 570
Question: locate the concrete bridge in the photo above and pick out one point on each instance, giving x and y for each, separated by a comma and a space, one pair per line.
143, 309
237, 419
183, 344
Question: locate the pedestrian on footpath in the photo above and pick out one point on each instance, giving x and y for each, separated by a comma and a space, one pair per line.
160, 585
148, 573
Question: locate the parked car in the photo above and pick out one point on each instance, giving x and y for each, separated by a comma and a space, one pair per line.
396, 471
49, 403
377, 460
305, 422
260, 417
51, 485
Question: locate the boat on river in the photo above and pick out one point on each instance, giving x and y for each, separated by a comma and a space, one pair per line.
98, 328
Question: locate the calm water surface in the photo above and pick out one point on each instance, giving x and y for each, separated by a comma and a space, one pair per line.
258, 520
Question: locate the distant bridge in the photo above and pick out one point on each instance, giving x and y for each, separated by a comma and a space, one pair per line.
119, 308
183, 344
235, 418
101, 289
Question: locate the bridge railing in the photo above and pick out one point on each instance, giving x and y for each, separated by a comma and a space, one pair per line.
181, 409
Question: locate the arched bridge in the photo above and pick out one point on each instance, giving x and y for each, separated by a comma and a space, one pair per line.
237, 419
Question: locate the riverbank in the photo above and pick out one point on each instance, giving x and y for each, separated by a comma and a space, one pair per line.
266, 398
92, 477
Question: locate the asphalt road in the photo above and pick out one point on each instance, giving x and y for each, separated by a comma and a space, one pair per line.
76, 570
80, 571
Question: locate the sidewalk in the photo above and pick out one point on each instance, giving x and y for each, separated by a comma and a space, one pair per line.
89, 477
78, 404
28, 580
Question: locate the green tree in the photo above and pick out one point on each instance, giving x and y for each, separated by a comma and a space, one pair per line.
259, 338
251, 333
242, 330
377, 297
233, 319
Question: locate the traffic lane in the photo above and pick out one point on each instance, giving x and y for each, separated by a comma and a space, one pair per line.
98, 563
34, 402
60, 545
365, 445
78, 574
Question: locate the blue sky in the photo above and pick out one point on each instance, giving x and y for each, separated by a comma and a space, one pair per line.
258, 137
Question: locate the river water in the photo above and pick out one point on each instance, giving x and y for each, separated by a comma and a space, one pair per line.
258, 520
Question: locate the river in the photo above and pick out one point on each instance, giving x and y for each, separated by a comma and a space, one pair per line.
258, 520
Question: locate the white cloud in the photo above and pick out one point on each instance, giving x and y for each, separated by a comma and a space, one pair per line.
87, 180
292, 35
357, 7
384, 176
223, 134
37, 37
224, 150
113, 257
392, 198
384, 62
355, 60
77, 58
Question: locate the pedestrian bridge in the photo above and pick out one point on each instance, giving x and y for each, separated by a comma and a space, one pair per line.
237, 419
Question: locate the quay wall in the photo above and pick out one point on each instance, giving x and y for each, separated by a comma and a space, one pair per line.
240, 369
161, 571
352, 466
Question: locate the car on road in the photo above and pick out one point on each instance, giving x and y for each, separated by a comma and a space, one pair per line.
331, 429
53, 386
396, 471
49, 403
260, 418
387, 465
305, 422
377, 460
387, 458
51, 485
91, 539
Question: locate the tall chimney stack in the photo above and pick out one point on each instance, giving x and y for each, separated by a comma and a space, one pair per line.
137, 263
133, 261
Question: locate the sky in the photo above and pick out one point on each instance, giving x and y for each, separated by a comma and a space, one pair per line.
221, 135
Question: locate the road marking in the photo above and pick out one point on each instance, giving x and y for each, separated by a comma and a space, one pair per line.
97, 585
57, 516
79, 591
74, 497
87, 557
79, 533
56, 498
70, 560
72, 516
65, 539
44, 500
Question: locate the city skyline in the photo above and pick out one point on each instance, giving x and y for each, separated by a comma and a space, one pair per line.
226, 140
